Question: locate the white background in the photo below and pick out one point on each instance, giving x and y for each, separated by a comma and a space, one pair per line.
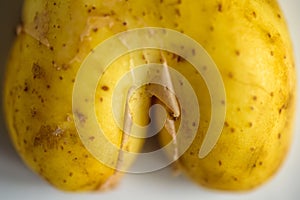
17, 182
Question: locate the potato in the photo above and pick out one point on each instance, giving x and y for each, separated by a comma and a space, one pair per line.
248, 40
250, 44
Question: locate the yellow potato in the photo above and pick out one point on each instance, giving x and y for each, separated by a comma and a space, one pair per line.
248, 40
250, 44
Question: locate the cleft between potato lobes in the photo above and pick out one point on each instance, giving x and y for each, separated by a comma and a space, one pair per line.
248, 41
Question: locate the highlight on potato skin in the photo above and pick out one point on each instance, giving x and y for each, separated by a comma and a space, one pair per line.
248, 40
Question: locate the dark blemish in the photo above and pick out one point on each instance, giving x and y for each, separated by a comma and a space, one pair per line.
223, 102
176, 24
33, 112
37, 71
69, 152
232, 130
250, 124
101, 99
161, 17
45, 151
89, 10
143, 13
26, 89
73, 80
24, 141
86, 156
254, 14
81, 117
48, 86
34, 160
92, 138
194, 124
235, 179
271, 94
64, 181
237, 52
192, 153
279, 16
70, 174
238, 109
62, 147
252, 149
279, 136
254, 165
177, 11
269, 35
179, 1
54, 3
220, 163
180, 59
251, 108
280, 110
124, 23
105, 88
193, 52
64, 45
61, 78
226, 124
94, 8
272, 53
95, 29
220, 7
206, 180
211, 28
161, 1
260, 163
51, 48
254, 98
75, 159
230, 75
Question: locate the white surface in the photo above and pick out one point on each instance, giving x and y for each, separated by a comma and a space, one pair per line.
17, 182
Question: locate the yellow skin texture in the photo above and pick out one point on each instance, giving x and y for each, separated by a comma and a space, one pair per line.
248, 40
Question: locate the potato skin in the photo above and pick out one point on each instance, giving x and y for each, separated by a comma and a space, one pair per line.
248, 40
251, 46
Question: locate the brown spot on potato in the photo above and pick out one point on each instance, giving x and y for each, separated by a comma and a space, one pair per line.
254, 14
279, 136
250, 124
37, 71
232, 130
254, 98
47, 137
237, 52
220, 7
105, 88
220, 163
230, 75
279, 16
